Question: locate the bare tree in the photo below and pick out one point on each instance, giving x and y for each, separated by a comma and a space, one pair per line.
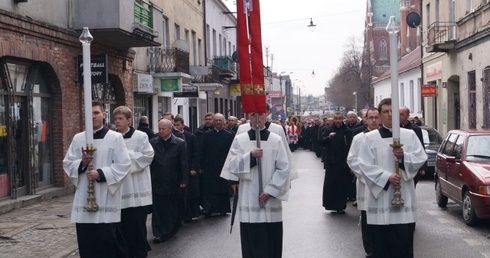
353, 75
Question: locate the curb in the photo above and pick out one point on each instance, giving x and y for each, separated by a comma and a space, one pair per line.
43, 195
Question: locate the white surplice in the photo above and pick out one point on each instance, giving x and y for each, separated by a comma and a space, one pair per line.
273, 128
275, 175
353, 162
136, 188
111, 156
376, 162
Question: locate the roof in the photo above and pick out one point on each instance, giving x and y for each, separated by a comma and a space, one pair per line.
383, 9
408, 62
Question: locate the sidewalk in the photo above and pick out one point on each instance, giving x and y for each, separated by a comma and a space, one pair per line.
41, 229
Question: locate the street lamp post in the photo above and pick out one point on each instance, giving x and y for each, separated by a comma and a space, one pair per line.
355, 94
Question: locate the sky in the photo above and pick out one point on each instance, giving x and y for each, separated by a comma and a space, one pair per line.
298, 51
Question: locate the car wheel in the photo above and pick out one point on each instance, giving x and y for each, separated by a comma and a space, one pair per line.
440, 197
469, 215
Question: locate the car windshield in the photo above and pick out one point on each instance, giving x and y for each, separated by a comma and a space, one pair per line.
431, 136
478, 147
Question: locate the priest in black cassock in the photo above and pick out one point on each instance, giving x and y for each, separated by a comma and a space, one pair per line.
191, 195
337, 140
214, 148
169, 175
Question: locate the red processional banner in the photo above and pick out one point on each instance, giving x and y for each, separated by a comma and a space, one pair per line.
249, 37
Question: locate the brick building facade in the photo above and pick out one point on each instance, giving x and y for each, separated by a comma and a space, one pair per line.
41, 100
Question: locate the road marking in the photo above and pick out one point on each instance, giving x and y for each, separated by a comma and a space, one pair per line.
444, 221
459, 230
486, 255
474, 242
436, 213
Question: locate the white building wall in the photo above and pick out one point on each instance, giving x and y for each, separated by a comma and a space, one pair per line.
216, 19
382, 90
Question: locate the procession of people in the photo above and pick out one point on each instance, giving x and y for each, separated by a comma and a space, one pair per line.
179, 177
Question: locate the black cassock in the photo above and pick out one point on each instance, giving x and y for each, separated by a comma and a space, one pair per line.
193, 192
216, 190
337, 172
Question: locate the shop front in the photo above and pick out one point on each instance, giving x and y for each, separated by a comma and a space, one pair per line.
26, 157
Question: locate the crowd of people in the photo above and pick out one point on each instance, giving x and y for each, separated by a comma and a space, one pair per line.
359, 157
179, 176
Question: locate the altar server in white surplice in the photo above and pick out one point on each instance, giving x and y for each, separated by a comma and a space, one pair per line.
136, 192
260, 227
98, 233
273, 128
371, 118
393, 226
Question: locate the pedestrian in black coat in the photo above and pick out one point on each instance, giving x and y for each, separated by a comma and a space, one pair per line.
169, 176
191, 196
144, 126
213, 152
337, 140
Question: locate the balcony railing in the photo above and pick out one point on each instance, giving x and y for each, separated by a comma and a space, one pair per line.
212, 77
143, 14
168, 60
134, 30
225, 63
441, 36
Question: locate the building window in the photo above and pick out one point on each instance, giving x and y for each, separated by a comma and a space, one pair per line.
402, 94
165, 38
199, 50
472, 100
215, 46
194, 48
177, 31
469, 6
486, 98
208, 39
412, 96
383, 50
427, 13
220, 46
164, 105
419, 103
186, 35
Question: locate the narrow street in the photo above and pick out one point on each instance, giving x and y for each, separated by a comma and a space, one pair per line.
310, 231
44, 230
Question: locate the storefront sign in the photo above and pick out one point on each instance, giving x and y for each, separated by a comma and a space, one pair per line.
144, 83
434, 71
98, 67
429, 90
235, 88
3, 130
188, 91
169, 85
275, 94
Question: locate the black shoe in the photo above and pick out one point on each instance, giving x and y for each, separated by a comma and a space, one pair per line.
158, 240
354, 204
340, 212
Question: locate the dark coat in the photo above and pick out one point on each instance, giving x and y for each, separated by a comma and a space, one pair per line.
200, 132
193, 164
146, 129
337, 173
169, 167
337, 148
214, 149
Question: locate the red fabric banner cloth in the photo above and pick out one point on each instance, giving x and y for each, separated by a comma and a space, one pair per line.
249, 37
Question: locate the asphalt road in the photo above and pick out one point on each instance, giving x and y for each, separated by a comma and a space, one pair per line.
310, 231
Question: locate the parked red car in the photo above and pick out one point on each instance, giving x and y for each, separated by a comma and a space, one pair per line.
463, 173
